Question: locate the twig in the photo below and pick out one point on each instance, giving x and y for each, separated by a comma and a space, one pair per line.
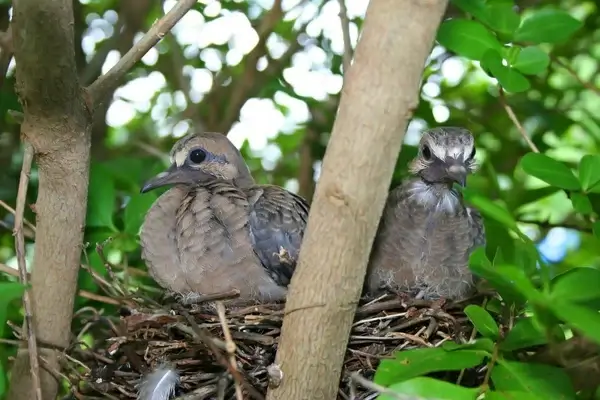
347, 56
514, 120
13, 212
20, 249
107, 265
107, 82
81, 293
572, 72
229, 346
206, 339
486, 380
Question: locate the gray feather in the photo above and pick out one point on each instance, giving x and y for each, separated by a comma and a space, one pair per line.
159, 384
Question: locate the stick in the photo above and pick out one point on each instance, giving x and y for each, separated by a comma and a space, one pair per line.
205, 338
347, 56
20, 249
229, 346
107, 82
515, 120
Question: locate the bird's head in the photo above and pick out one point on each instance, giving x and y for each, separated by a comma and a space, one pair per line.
200, 158
446, 155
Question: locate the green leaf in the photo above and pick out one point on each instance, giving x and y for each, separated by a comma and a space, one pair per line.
511, 395
489, 208
484, 344
582, 318
136, 210
532, 60
502, 18
474, 7
509, 78
550, 171
101, 198
511, 282
525, 333
547, 26
536, 379
467, 38
483, 321
596, 229
431, 388
579, 284
533, 195
9, 291
581, 203
589, 171
411, 363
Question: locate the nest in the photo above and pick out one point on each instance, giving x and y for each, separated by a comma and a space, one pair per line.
201, 343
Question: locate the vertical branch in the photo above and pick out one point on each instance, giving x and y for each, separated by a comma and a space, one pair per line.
347, 56
378, 98
29, 328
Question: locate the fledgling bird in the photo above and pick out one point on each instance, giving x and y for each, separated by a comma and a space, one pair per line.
215, 230
426, 233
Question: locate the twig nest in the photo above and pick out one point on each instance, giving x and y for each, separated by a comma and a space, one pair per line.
193, 343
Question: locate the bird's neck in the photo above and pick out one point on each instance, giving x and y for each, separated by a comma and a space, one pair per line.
438, 197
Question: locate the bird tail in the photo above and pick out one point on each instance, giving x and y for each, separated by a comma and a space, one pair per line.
160, 384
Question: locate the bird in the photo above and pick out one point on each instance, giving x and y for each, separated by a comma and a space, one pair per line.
426, 232
215, 230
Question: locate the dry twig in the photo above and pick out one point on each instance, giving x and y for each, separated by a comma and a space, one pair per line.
229, 346
515, 120
20, 249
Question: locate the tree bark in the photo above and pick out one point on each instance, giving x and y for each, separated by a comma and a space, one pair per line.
57, 124
379, 95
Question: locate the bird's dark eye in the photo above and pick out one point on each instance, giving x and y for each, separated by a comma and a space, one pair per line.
426, 152
472, 155
197, 156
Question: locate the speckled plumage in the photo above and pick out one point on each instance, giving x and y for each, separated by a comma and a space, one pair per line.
426, 233
215, 230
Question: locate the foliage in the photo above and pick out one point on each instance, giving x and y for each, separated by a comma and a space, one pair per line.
545, 55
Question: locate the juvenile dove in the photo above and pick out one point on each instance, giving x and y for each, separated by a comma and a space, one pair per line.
216, 230
426, 233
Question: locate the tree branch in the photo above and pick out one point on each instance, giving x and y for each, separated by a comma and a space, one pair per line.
515, 120
347, 56
109, 81
380, 94
29, 327
573, 73
56, 124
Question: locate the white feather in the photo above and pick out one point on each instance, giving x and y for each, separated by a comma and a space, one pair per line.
444, 201
160, 384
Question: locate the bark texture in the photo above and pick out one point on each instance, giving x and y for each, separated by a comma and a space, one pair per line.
380, 92
57, 124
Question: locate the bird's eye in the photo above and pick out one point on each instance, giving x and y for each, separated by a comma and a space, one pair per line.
426, 152
472, 155
197, 156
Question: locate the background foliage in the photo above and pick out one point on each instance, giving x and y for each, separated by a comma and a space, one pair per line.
524, 78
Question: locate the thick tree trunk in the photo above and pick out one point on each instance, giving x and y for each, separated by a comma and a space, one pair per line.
379, 94
57, 124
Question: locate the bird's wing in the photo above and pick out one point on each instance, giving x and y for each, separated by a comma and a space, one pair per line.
477, 228
277, 222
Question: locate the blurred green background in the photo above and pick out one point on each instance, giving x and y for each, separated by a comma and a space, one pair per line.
269, 73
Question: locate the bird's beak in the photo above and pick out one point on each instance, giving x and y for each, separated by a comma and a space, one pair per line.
458, 174
171, 176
